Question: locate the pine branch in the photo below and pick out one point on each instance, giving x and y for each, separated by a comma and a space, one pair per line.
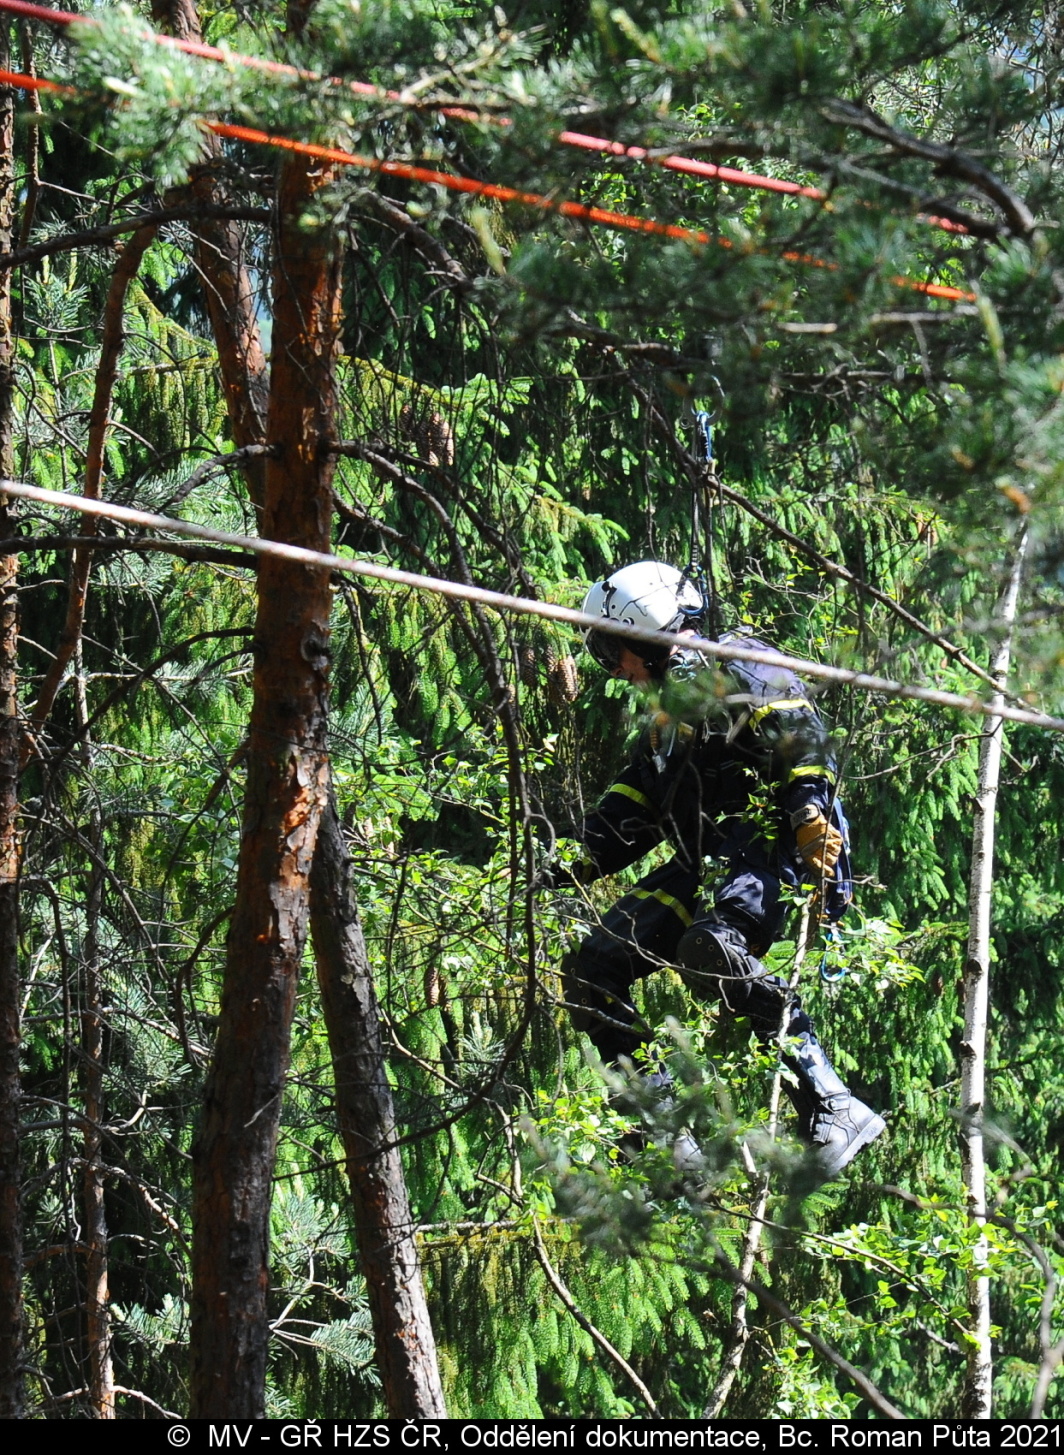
107, 232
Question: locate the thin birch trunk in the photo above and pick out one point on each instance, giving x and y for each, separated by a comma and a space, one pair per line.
387, 1248
95, 1234
739, 1332
977, 1395
101, 1380
12, 1393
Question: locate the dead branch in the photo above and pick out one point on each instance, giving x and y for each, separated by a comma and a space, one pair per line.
106, 374
783, 1312
27, 544
570, 1304
107, 232
948, 160
420, 238
216, 462
843, 573
928, 205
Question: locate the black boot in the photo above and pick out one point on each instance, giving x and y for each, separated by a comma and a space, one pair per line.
830, 1118
651, 1092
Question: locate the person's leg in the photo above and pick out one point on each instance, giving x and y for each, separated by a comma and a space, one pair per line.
637, 936
718, 956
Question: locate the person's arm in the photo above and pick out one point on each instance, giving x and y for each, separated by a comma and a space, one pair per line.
805, 766
625, 826
783, 731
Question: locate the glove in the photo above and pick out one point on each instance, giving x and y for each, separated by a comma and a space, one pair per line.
557, 876
819, 842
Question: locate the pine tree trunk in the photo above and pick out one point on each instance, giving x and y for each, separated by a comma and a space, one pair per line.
286, 788
977, 1397
228, 291
11, 1359
406, 1350
95, 1233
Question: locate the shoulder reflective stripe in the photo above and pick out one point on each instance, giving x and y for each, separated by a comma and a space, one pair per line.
811, 770
669, 901
632, 793
763, 712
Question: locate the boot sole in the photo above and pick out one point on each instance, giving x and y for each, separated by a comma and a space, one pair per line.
868, 1133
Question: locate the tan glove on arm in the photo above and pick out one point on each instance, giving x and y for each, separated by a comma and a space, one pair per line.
819, 841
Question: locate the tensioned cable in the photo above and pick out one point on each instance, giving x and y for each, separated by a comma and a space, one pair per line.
689, 165
581, 211
500, 601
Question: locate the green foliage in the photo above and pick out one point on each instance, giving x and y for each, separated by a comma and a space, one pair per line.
517, 388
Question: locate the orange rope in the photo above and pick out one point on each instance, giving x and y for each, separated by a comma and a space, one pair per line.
675, 163
603, 217
579, 210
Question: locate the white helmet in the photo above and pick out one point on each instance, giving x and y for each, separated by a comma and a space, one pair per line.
648, 594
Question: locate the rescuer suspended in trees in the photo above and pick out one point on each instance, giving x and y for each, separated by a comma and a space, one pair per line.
716, 739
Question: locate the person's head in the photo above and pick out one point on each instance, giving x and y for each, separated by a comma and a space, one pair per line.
648, 594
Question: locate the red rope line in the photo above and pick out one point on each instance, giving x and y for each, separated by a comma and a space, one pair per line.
673, 162
33, 83
621, 221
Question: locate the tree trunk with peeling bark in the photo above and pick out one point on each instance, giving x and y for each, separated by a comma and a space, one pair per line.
406, 1349
11, 1357
286, 787
228, 290
977, 1396
406, 1354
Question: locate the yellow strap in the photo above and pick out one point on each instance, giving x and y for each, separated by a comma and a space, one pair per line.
811, 770
762, 712
669, 901
632, 793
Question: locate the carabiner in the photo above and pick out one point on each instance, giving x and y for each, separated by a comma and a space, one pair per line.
834, 941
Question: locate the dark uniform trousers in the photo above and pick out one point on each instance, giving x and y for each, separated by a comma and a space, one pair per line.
700, 800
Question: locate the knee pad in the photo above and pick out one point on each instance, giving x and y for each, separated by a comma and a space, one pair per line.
715, 959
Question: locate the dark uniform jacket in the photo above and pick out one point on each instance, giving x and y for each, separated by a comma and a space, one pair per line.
732, 751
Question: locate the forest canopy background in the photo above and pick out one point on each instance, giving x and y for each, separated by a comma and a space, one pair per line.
272, 343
